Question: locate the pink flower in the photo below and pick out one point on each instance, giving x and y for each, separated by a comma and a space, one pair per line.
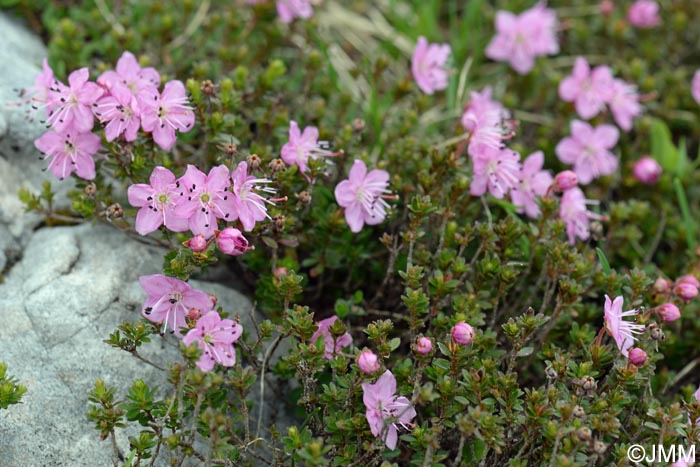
130, 74
647, 170
302, 146
428, 65
72, 104
689, 279
622, 331
39, 95
249, 206
120, 110
232, 242
290, 9
169, 300
606, 7
368, 362
668, 312
574, 213
661, 285
215, 337
157, 202
164, 114
385, 410
644, 14
197, 243
520, 39
362, 196
624, 104
565, 180
588, 149
637, 356
341, 342
590, 91
483, 119
424, 345
497, 170
534, 183
70, 151
205, 199
695, 87
462, 333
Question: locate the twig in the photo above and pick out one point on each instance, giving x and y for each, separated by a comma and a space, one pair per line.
115, 449
192, 27
109, 17
268, 354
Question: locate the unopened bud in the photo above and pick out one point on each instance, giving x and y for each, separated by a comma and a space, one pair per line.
565, 180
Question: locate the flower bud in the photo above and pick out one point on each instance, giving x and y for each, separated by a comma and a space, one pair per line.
685, 290
647, 170
637, 356
424, 345
462, 333
565, 180
661, 285
194, 314
232, 242
606, 7
197, 243
689, 279
368, 362
669, 312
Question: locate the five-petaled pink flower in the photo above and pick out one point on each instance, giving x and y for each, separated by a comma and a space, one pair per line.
120, 110
622, 331
695, 87
576, 215
483, 118
205, 198
624, 104
428, 65
534, 183
588, 150
249, 206
324, 329
302, 146
130, 74
72, 105
170, 299
522, 38
362, 196
165, 113
157, 202
644, 14
590, 91
495, 170
215, 337
290, 9
70, 151
385, 411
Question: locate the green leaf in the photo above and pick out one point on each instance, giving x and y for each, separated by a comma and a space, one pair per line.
603, 261
525, 351
685, 212
671, 159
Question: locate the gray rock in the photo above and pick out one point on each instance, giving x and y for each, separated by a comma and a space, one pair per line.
70, 290
21, 55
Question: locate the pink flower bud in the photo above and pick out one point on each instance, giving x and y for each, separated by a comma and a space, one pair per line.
685, 290
197, 243
689, 279
668, 312
368, 362
565, 180
637, 356
661, 285
647, 170
213, 300
280, 272
424, 345
194, 314
232, 242
606, 7
462, 333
